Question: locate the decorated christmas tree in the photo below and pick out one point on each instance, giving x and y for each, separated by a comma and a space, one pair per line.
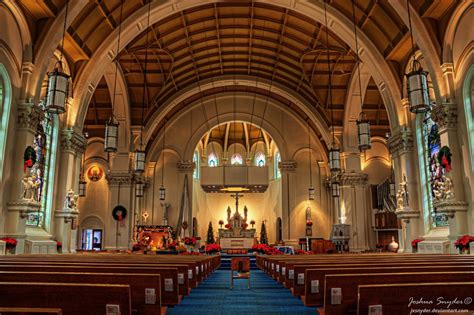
263, 235
210, 234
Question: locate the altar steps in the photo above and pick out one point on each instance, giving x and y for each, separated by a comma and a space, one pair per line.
226, 259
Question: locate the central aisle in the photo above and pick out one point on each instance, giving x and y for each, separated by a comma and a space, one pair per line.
266, 296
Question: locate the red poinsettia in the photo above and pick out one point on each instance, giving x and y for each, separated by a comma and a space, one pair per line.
59, 245
463, 242
10, 242
227, 226
309, 223
244, 226
414, 243
213, 248
172, 246
221, 222
252, 222
190, 241
136, 247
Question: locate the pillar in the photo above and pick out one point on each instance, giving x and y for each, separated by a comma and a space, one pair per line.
185, 168
288, 218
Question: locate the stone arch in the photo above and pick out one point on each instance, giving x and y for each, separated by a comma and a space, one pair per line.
341, 25
449, 36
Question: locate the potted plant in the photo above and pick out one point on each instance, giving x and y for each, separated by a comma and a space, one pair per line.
213, 249
463, 242
227, 226
252, 223
379, 247
414, 244
10, 244
59, 246
221, 222
189, 242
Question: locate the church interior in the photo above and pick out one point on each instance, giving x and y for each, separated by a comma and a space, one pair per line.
227, 156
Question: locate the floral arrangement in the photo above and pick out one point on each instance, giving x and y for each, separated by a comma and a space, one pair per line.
444, 158
265, 249
414, 243
463, 242
59, 245
180, 248
190, 241
252, 222
221, 222
10, 242
227, 226
302, 252
309, 223
379, 246
172, 246
213, 248
245, 225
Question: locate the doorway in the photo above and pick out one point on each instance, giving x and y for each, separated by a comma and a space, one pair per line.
92, 239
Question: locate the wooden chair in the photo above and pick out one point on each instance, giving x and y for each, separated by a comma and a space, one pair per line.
241, 265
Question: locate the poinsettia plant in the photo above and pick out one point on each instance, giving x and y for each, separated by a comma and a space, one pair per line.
213, 248
59, 245
463, 242
172, 246
227, 226
10, 242
190, 241
414, 243
309, 223
252, 222
221, 222
136, 247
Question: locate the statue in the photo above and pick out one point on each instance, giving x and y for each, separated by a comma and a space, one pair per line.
245, 213
443, 189
228, 213
165, 206
30, 188
70, 202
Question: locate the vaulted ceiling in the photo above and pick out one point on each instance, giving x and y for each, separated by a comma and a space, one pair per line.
236, 38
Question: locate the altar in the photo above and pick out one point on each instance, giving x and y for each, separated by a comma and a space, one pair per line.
236, 233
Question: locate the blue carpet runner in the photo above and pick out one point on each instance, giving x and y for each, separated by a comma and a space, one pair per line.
265, 296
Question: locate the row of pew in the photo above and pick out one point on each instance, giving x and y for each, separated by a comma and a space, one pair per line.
100, 283
375, 283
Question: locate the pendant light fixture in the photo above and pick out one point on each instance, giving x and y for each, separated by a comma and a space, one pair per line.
58, 81
162, 188
335, 188
363, 124
140, 154
334, 151
417, 80
112, 125
311, 188
140, 187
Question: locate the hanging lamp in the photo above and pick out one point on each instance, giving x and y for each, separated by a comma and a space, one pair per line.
140, 154
363, 124
58, 80
334, 151
417, 80
112, 125
335, 188
310, 188
162, 188
139, 188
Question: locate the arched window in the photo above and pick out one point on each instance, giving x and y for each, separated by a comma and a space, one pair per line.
42, 171
212, 160
236, 159
197, 165
431, 146
260, 159
5, 103
276, 165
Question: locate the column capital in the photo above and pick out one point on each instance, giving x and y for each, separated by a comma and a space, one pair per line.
29, 116
185, 166
446, 116
353, 179
72, 141
401, 142
450, 207
116, 178
287, 166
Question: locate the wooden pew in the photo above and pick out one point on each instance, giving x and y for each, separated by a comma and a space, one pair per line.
29, 310
395, 298
72, 298
349, 285
168, 276
138, 283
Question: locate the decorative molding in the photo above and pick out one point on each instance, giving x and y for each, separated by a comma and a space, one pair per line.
124, 179
446, 116
450, 207
401, 142
24, 207
407, 213
185, 166
72, 141
353, 179
29, 116
287, 166
447, 68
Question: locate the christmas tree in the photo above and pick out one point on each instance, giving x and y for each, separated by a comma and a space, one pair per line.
263, 235
210, 234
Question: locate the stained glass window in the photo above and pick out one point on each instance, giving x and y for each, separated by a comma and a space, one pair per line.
196, 165
432, 145
260, 159
236, 159
277, 162
212, 160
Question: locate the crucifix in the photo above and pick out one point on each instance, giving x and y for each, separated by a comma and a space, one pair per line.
236, 196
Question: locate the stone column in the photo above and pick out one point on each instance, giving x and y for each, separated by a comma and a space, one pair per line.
186, 168
29, 116
354, 209
404, 163
120, 193
288, 184
445, 116
72, 145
